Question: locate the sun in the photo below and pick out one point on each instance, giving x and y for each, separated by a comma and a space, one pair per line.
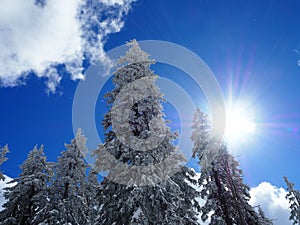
240, 125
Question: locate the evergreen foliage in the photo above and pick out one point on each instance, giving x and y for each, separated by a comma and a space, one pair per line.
294, 199
3, 151
220, 179
166, 199
24, 198
67, 196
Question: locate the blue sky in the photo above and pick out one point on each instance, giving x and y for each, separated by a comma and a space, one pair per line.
251, 46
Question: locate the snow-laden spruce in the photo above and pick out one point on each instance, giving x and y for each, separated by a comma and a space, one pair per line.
71, 195
158, 195
226, 196
25, 198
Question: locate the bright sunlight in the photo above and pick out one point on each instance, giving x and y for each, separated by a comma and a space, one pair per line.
239, 126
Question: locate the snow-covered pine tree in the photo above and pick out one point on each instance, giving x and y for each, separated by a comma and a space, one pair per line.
294, 199
161, 199
220, 180
92, 188
24, 198
3, 151
67, 195
201, 133
227, 196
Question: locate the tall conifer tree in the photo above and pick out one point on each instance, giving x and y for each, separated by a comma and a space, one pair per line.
150, 196
227, 197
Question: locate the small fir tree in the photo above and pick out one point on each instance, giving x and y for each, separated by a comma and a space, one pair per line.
68, 200
24, 198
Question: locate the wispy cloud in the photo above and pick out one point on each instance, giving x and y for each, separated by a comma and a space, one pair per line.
273, 202
37, 36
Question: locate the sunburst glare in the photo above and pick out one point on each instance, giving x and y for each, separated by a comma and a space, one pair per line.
240, 124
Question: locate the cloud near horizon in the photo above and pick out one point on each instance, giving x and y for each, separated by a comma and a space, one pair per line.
273, 202
37, 36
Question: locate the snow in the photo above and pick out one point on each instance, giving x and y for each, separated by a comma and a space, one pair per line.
200, 200
4, 184
137, 213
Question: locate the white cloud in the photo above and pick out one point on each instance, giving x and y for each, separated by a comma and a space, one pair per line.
4, 184
36, 37
273, 202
